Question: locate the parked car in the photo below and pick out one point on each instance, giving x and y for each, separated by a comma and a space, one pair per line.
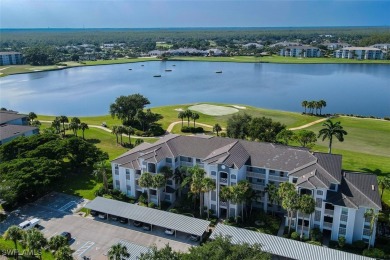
67, 235
169, 231
93, 213
194, 237
29, 224
123, 220
147, 227
102, 216
115, 218
137, 223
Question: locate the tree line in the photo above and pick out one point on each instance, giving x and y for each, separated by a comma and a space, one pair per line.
313, 105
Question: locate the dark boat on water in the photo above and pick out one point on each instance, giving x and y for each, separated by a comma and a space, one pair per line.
157, 76
220, 71
168, 70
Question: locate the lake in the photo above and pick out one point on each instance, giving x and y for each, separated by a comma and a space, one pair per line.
362, 89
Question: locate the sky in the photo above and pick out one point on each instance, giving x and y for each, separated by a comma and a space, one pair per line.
186, 13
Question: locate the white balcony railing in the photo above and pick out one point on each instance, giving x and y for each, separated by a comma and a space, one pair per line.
223, 203
277, 178
327, 225
188, 164
257, 187
329, 212
305, 229
255, 175
223, 180
153, 197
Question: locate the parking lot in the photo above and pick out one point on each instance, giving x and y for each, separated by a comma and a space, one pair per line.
90, 237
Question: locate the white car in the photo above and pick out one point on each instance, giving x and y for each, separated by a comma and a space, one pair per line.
26, 225
169, 231
102, 216
194, 237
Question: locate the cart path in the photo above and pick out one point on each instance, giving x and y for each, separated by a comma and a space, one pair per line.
310, 124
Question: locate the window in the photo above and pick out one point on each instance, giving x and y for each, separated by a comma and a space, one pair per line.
127, 176
213, 173
127, 171
169, 182
333, 186
281, 174
294, 180
271, 171
168, 160
176, 159
117, 183
167, 197
128, 187
116, 166
198, 161
260, 181
138, 172
317, 215
233, 177
320, 192
318, 203
250, 179
213, 195
151, 167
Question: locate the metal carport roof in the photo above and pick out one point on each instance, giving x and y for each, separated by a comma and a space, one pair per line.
151, 216
134, 250
282, 246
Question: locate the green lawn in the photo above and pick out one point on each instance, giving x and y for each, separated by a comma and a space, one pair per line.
8, 244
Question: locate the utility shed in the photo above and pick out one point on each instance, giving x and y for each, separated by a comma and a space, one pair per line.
283, 248
151, 216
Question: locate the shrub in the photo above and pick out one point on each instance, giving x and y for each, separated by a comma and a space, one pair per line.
194, 130
223, 134
359, 244
155, 130
314, 243
341, 241
142, 198
139, 141
295, 235
374, 253
151, 205
173, 211
315, 234
386, 118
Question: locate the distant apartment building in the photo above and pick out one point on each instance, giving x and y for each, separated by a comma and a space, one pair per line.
253, 45
382, 46
285, 44
13, 125
359, 53
301, 51
336, 45
341, 198
10, 58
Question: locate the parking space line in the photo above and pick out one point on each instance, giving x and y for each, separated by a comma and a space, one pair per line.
68, 205
84, 248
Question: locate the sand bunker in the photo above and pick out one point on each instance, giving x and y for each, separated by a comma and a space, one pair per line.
239, 107
213, 110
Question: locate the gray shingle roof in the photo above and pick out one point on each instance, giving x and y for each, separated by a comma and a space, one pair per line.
357, 189
282, 246
151, 216
7, 131
331, 163
6, 116
134, 250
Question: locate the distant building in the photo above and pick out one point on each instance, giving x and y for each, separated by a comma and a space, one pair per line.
255, 44
187, 52
336, 45
10, 58
359, 53
13, 125
301, 51
382, 46
285, 44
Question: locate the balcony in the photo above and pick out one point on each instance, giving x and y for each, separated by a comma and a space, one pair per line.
329, 212
137, 187
168, 165
305, 229
255, 174
277, 178
153, 197
327, 225
257, 187
201, 165
188, 164
223, 180
223, 203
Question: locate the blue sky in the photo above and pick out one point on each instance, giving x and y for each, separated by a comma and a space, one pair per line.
183, 13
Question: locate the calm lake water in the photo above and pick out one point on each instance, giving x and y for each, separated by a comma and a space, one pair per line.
348, 88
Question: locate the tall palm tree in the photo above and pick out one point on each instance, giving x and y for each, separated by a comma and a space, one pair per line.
208, 185
217, 128
167, 172
63, 253
195, 181
34, 239
118, 252
83, 127
75, 121
31, 117
304, 104
332, 129
146, 181
373, 216
74, 127
323, 104
188, 114
181, 115
115, 132
63, 120
100, 171
384, 183
272, 192
225, 194
311, 106
56, 242
121, 131
194, 116
289, 196
317, 105
158, 183
13, 233
56, 124
240, 193
179, 175
306, 206
129, 132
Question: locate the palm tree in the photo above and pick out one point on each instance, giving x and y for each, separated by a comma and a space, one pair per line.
129, 132
181, 115
311, 107
56, 124
272, 192
115, 132
194, 116
289, 198
195, 180
317, 105
307, 207
208, 185
225, 194
373, 216
304, 104
34, 239
179, 175
188, 114
31, 117
13, 233
74, 127
63, 120
167, 172
83, 127
146, 181
64, 253
56, 242
240, 193
100, 171
323, 104
384, 183
159, 182
217, 128
121, 131
118, 252
332, 129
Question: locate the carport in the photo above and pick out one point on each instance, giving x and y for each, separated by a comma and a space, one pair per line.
164, 219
